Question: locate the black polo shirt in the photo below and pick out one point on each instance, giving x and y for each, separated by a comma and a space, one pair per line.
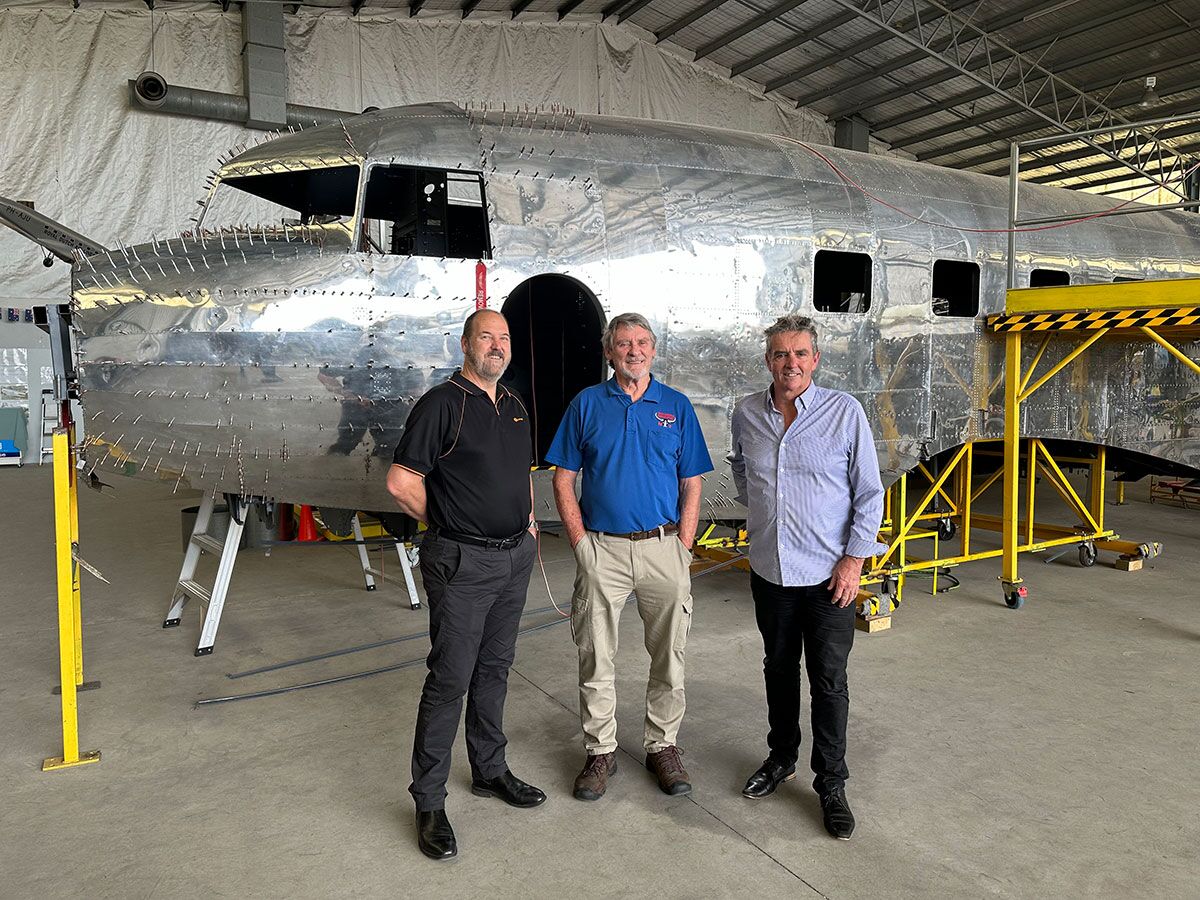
474, 455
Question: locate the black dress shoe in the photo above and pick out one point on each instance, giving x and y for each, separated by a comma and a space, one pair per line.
839, 821
509, 788
769, 776
435, 837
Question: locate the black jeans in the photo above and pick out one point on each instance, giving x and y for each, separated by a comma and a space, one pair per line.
798, 622
475, 598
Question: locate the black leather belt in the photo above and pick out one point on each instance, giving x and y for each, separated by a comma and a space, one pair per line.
477, 540
660, 531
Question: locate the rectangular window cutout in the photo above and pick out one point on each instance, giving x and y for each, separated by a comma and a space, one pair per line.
425, 212
1120, 278
1049, 278
955, 288
841, 282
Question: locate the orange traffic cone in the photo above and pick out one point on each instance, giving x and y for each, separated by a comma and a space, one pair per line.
308, 527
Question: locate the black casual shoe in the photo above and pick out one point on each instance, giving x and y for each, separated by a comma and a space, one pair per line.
769, 776
509, 788
839, 821
435, 837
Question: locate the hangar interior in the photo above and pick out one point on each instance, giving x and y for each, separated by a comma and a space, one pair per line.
1009, 751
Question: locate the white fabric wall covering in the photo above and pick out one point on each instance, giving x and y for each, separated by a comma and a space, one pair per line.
71, 143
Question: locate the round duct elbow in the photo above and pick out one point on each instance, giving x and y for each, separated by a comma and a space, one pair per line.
150, 89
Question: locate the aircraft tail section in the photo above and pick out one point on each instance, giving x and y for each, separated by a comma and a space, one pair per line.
55, 238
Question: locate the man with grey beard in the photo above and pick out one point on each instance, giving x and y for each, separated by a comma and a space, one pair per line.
462, 467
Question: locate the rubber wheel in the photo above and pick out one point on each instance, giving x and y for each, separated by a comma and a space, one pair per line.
946, 529
1014, 600
1087, 555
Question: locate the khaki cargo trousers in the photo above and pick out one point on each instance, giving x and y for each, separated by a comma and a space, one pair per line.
608, 569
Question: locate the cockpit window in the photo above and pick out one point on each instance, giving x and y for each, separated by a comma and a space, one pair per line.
301, 197
412, 211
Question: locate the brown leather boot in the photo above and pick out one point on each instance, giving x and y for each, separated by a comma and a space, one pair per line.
593, 780
667, 767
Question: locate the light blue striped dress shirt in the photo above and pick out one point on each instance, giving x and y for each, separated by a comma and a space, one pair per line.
814, 493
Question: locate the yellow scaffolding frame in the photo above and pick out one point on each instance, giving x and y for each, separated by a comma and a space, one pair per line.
1094, 311
70, 622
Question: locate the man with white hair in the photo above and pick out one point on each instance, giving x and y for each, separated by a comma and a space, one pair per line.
804, 463
641, 451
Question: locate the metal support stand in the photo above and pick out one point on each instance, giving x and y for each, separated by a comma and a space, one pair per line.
202, 542
70, 632
370, 574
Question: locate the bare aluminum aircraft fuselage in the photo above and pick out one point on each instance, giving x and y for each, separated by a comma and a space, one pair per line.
282, 361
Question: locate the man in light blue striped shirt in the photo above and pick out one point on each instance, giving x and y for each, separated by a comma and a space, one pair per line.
804, 463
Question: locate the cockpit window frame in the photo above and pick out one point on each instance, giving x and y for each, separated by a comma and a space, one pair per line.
280, 167
371, 164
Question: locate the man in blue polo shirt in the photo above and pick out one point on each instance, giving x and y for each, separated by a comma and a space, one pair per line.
642, 453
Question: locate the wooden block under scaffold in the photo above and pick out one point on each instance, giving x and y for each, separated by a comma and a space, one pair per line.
873, 624
1128, 563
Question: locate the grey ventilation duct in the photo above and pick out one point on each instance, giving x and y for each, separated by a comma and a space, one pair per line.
264, 72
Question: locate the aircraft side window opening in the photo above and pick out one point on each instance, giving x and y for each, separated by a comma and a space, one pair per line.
412, 211
308, 196
1049, 278
955, 288
1117, 279
841, 282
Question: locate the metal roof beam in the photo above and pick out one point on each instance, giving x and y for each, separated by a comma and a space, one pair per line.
415, 7
519, 7
801, 38
879, 38
959, 99
356, 6
1167, 109
746, 27
977, 93
1032, 80
469, 7
1188, 129
879, 71
1013, 108
684, 21
632, 8
1068, 174
567, 7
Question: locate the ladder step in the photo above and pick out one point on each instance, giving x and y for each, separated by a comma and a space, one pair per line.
193, 589
208, 543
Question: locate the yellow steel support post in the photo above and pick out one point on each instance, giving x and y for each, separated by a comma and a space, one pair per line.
1031, 460
1014, 591
967, 501
1097, 486
75, 570
69, 654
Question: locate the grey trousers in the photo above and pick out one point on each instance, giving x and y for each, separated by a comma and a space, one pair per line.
475, 598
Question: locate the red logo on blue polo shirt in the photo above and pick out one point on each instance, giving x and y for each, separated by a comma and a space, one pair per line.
665, 420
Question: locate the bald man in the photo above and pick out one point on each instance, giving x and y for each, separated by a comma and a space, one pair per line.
462, 467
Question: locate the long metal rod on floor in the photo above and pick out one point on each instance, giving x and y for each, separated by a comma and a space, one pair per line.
330, 654
339, 679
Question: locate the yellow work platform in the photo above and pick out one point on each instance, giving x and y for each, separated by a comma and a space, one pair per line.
1130, 308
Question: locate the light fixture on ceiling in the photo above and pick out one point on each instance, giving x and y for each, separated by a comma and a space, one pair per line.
1149, 98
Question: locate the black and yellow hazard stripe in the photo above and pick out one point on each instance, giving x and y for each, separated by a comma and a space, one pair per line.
1084, 320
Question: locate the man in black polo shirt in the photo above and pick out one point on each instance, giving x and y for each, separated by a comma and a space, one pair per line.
462, 467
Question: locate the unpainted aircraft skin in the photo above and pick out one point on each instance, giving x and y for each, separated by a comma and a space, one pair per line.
281, 361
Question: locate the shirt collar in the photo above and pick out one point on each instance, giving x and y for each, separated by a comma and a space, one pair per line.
653, 392
467, 384
807, 399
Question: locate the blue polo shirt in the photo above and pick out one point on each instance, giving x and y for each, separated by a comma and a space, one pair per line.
632, 455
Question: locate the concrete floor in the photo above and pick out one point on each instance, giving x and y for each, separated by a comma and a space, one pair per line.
1045, 752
